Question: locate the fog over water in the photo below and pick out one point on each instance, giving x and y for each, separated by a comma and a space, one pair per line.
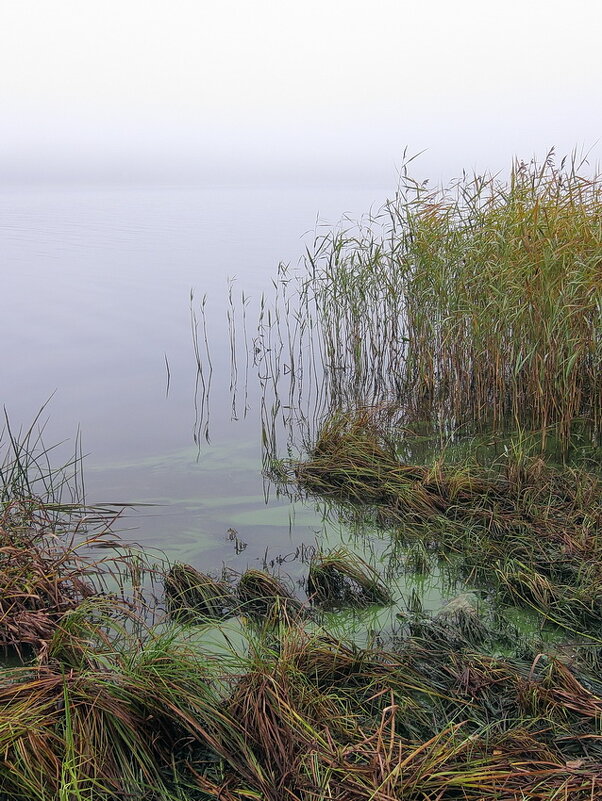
313, 93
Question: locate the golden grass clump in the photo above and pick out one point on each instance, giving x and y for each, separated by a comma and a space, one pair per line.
340, 578
353, 461
264, 597
192, 596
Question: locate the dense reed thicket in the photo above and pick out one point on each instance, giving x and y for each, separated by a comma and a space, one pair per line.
478, 304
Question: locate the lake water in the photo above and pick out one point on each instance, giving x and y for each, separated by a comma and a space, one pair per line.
96, 309
97, 313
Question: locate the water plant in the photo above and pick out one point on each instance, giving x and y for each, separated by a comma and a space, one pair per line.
474, 307
266, 598
340, 578
40, 581
192, 596
527, 531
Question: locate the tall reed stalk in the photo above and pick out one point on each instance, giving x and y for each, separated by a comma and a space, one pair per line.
478, 304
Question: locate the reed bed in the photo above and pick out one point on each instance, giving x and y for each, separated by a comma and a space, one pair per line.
503, 299
475, 306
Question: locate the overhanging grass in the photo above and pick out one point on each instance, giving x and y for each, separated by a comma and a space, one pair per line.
529, 532
116, 709
306, 717
339, 578
192, 596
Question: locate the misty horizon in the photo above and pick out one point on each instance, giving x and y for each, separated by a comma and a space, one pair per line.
157, 93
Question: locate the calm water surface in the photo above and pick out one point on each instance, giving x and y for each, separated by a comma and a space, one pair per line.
96, 307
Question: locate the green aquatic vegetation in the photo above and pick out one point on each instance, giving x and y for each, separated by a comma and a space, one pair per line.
527, 531
340, 578
418, 559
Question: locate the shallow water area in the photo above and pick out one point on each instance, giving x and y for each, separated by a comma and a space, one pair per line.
97, 308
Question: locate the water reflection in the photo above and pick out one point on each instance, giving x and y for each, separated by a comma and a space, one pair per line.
204, 373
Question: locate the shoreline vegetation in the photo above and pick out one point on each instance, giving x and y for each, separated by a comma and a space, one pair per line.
473, 309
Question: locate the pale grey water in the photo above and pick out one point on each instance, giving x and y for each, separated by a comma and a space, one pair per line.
95, 295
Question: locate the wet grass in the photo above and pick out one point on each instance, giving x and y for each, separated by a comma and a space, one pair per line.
108, 704
526, 531
194, 596
40, 581
304, 716
265, 598
49, 541
339, 579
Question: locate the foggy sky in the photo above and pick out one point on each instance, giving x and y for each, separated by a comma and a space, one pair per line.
183, 91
